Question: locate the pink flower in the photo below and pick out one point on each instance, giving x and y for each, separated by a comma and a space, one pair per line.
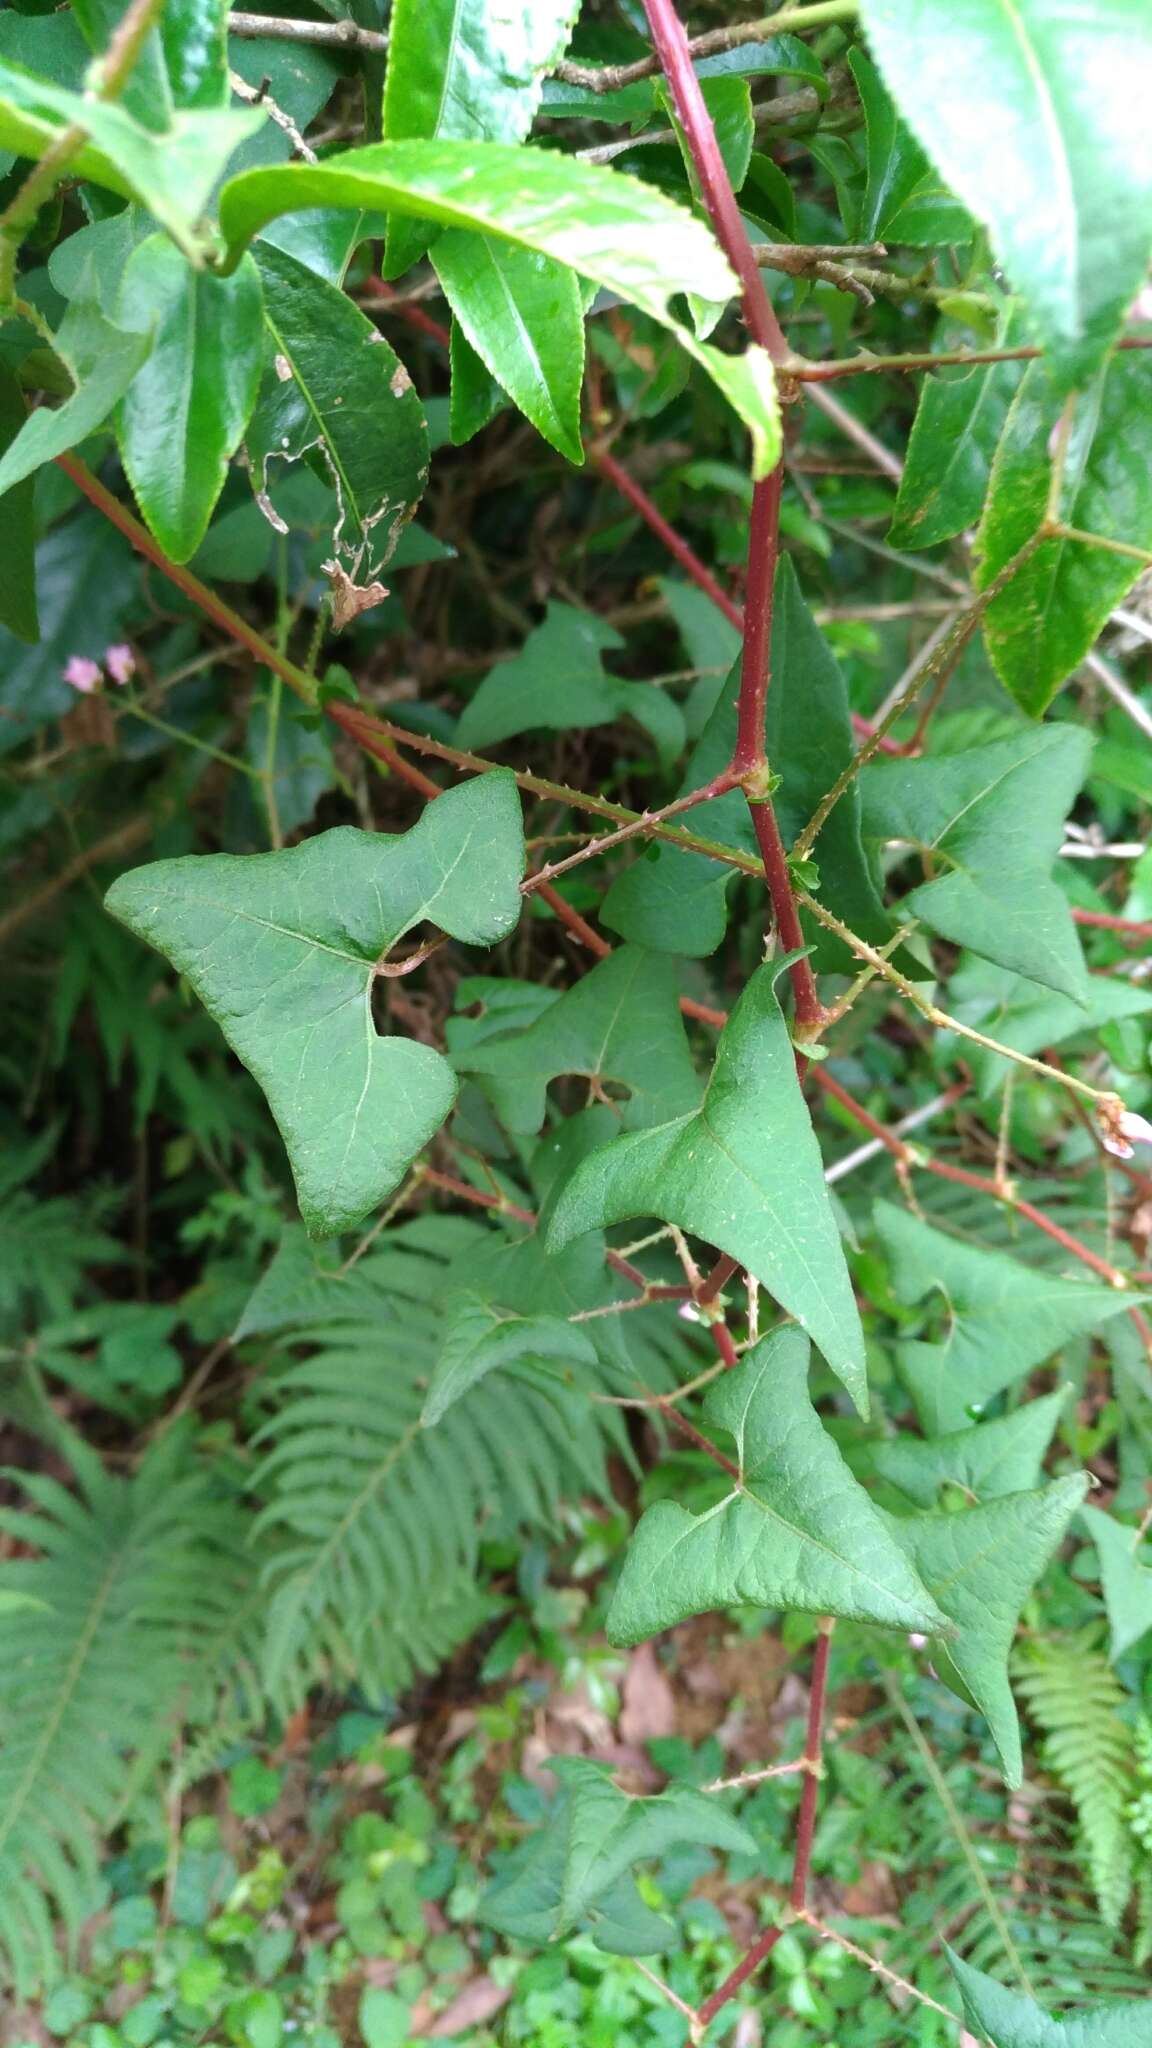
83, 674
120, 663
1120, 1135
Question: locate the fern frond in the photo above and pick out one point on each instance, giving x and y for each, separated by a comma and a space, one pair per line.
131, 1583
1073, 1695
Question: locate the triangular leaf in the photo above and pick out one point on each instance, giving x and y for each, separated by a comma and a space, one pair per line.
1126, 1579
480, 1337
1027, 1017
796, 1532
620, 1024
1005, 2019
283, 949
979, 1566
995, 814
1004, 1318
558, 681
102, 361
743, 1173
984, 1461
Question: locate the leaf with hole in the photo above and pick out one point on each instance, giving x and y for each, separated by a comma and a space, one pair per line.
1003, 1317
339, 395
980, 1566
284, 950
994, 816
796, 1532
1052, 612
743, 1173
183, 415
1062, 171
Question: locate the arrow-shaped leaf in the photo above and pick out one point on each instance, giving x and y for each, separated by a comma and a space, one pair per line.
558, 681
989, 1459
797, 1531
283, 949
744, 1173
1126, 1579
1005, 2019
481, 1337
980, 1566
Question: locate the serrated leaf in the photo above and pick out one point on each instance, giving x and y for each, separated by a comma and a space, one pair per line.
985, 1460
996, 815
1005, 2019
184, 413
902, 199
1125, 1578
797, 1531
1062, 175
481, 1336
728, 99
958, 423
677, 901
1003, 1317
558, 681
524, 318
282, 948
476, 397
1051, 613
102, 360
18, 612
607, 227
466, 68
593, 1837
743, 1172
347, 396
1029, 1018
979, 1566
619, 1025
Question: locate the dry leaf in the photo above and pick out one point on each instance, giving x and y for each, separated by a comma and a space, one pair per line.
349, 599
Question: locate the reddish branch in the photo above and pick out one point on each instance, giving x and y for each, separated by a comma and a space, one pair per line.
676, 545
1128, 927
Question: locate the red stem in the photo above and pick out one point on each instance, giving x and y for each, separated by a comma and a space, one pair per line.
1129, 927
677, 547
696, 1436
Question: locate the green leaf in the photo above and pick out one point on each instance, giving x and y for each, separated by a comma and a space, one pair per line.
796, 1532
980, 1566
558, 681
524, 318
480, 1337
283, 949
472, 69
902, 200
995, 815
1041, 626
619, 1025
592, 1838
147, 92
476, 396
186, 410
1006, 2020
195, 38
1029, 1018
102, 360
347, 396
17, 537
608, 227
1126, 1580
729, 103
1003, 1318
171, 171
78, 615
743, 1172
677, 901
1062, 171
958, 423
985, 1460
295, 753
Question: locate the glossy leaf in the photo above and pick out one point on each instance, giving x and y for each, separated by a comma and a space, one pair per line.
619, 1026
742, 1173
523, 316
902, 198
572, 1869
1040, 628
481, 1337
283, 948
609, 228
102, 361
995, 816
476, 397
678, 901
796, 1532
1006, 2019
1062, 171
983, 1461
1003, 1317
558, 681
1124, 1576
186, 410
958, 423
147, 92
980, 1566
470, 69
341, 393
728, 99
17, 539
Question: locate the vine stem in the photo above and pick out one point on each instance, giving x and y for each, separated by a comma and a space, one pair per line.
676, 545
749, 763
866, 364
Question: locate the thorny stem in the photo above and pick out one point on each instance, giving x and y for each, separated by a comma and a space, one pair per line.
867, 364
873, 1963
718, 786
